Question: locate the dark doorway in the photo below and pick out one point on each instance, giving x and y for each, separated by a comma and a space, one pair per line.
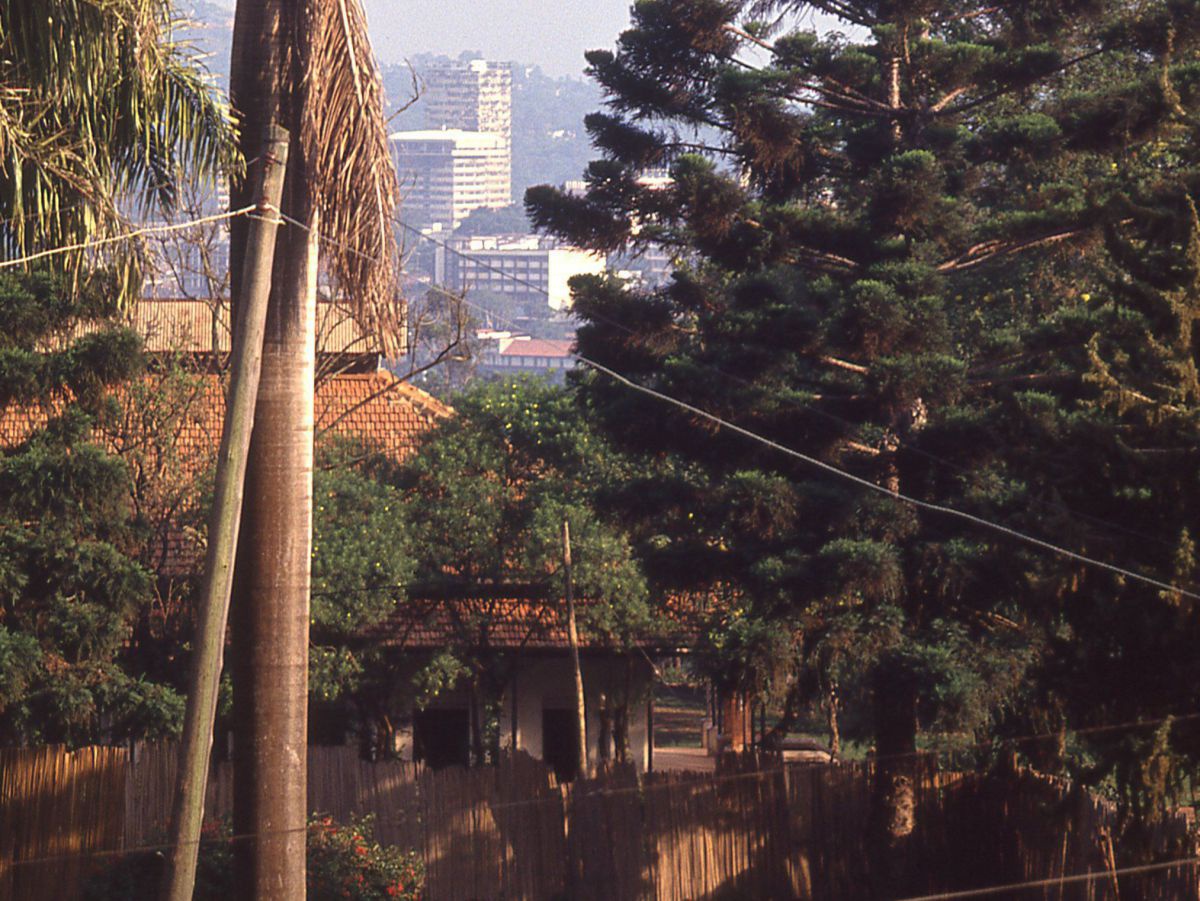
560, 742
442, 737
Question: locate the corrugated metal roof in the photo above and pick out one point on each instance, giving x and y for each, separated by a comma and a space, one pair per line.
200, 326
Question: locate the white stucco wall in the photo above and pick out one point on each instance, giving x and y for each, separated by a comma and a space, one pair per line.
548, 682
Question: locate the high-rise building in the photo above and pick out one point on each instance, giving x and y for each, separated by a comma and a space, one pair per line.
529, 269
446, 173
474, 95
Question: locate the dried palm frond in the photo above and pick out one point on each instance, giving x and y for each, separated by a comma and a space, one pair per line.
344, 139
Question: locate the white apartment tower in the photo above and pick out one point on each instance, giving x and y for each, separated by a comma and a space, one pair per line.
527, 268
475, 95
462, 160
446, 173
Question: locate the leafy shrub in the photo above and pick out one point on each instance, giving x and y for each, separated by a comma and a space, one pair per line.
344, 862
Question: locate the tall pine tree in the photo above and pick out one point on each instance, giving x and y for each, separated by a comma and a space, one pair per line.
847, 205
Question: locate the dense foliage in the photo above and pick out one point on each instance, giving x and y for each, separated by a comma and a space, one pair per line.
489, 490
70, 589
486, 497
883, 228
361, 566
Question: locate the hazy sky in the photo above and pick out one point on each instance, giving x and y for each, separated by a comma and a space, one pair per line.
552, 34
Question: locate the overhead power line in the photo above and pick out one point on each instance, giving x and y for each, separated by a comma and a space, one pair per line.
124, 236
894, 495
879, 489
829, 468
791, 402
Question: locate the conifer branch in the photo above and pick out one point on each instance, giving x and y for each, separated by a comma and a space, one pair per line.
842, 11
829, 261
1008, 89
845, 91
865, 449
950, 98
844, 364
988, 250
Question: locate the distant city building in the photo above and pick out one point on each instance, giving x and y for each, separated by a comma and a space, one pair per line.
446, 173
507, 354
529, 269
474, 95
651, 266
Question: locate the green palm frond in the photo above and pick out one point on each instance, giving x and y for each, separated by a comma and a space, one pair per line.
100, 111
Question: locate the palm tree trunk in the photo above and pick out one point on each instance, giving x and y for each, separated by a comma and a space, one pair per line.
270, 621
304, 65
224, 525
271, 588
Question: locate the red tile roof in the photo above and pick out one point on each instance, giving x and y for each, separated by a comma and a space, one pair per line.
379, 408
375, 407
537, 347
515, 623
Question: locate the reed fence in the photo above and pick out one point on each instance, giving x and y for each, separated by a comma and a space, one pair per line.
511, 832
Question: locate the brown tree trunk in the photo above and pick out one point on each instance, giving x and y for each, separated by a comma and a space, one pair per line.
270, 609
477, 753
573, 639
604, 740
620, 716
832, 706
620, 730
893, 814
270, 601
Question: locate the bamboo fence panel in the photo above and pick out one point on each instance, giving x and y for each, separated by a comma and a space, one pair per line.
510, 831
57, 809
464, 854
529, 814
151, 784
605, 837
342, 785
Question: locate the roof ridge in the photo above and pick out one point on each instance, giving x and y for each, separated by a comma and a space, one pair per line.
416, 395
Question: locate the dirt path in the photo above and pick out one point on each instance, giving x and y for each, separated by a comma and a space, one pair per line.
683, 759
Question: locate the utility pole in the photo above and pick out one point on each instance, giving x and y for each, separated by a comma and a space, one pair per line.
573, 638
225, 522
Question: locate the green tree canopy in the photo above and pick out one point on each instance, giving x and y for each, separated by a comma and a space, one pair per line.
851, 203
486, 497
69, 588
362, 565
490, 487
